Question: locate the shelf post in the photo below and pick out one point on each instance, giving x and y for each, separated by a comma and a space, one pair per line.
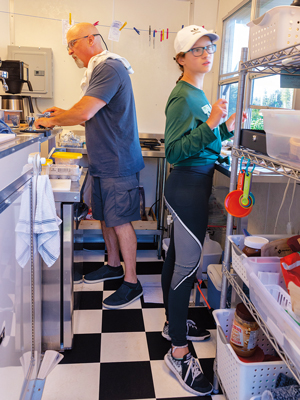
234, 169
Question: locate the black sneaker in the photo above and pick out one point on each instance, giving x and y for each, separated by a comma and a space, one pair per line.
123, 296
192, 332
77, 278
104, 273
189, 373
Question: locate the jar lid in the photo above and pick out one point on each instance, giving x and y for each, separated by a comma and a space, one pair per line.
242, 312
255, 242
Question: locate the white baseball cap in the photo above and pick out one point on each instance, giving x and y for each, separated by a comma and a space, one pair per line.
188, 36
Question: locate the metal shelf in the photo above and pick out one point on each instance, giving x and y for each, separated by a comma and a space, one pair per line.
260, 321
268, 162
272, 63
269, 64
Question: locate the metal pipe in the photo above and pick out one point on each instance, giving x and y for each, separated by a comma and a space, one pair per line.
233, 173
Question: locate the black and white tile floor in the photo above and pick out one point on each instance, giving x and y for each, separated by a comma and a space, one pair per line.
118, 354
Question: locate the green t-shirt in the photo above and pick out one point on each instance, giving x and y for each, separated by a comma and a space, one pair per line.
189, 141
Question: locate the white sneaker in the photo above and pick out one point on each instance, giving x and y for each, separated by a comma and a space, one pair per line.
189, 373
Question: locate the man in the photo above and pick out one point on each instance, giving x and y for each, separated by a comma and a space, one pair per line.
114, 153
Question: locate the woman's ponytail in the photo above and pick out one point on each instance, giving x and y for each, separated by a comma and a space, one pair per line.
180, 66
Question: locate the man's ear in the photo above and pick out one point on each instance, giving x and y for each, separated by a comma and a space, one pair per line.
91, 40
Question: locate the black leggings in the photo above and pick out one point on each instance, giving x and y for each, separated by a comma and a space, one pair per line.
187, 194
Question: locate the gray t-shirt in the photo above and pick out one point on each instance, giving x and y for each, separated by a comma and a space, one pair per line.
112, 138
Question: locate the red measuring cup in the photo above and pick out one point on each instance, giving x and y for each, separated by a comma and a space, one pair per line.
232, 200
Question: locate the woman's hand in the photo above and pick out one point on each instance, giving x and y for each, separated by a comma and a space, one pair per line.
230, 123
218, 111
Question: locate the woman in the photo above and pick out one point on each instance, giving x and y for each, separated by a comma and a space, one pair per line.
193, 137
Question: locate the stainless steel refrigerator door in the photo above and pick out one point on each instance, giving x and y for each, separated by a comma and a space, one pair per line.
58, 287
20, 302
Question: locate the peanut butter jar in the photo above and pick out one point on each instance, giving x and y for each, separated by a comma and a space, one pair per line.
244, 332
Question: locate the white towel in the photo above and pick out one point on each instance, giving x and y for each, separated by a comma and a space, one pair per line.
46, 222
46, 235
96, 60
23, 230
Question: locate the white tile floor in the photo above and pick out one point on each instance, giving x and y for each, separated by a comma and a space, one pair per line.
118, 354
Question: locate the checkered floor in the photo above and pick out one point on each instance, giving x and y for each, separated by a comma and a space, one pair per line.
118, 354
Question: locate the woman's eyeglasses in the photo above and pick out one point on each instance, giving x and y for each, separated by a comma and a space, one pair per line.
198, 51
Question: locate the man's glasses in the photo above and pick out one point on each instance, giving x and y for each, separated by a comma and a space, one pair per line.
198, 51
72, 42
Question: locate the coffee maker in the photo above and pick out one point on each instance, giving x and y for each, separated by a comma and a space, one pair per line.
18, 74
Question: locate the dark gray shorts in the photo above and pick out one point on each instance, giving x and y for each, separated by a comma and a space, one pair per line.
116, 200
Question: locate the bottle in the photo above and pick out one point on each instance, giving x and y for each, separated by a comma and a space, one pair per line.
244, 332
253, 245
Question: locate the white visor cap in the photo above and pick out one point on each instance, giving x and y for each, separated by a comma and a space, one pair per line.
188, 36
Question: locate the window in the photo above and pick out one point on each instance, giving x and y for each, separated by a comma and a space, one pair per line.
265, 90
236, 36
265, 5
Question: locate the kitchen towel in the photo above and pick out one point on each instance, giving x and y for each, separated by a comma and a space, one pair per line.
96, 60
4, 128
282, 393
23, 230
46, 223
46, 235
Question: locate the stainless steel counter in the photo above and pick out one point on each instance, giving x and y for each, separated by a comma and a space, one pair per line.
24, 139
72, 196
158, 152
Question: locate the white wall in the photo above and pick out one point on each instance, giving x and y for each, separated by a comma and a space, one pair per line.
155, 70
4, 24
39, 24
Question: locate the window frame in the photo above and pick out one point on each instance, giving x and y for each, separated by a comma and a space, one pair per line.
233, 77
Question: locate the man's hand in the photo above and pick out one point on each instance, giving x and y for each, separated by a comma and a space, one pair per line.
218, 111
44, 123
230, 123
55, 111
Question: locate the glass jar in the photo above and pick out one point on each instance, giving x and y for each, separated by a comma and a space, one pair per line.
253, 245
244, 332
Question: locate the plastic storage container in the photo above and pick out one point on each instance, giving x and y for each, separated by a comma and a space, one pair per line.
11, 117
282, 132
214, 285
63, 143
66, 157
253, 245
211, 254
271, 301
241, 380
277, 29
46, 166
237, 244
61, 171
262, 266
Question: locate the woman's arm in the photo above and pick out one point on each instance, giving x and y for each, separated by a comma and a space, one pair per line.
182, 141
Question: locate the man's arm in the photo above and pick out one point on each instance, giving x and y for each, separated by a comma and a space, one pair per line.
82, 111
